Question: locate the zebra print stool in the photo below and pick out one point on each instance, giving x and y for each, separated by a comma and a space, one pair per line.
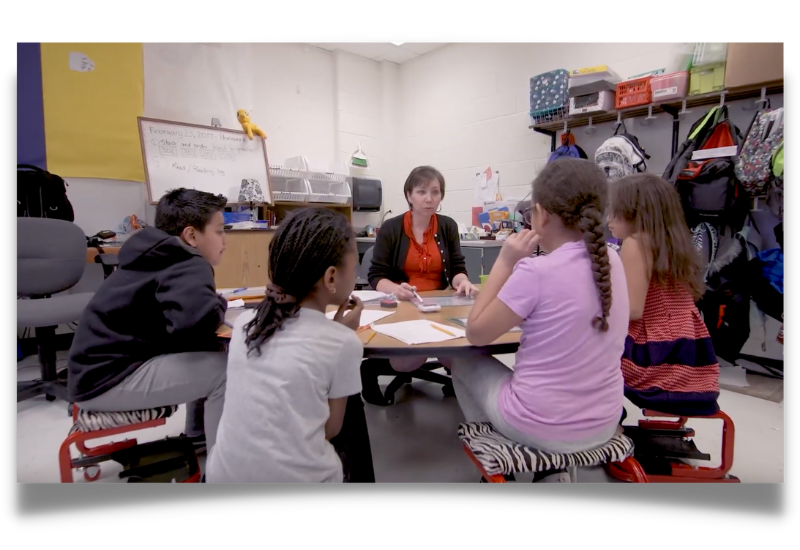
496, 456
88, 425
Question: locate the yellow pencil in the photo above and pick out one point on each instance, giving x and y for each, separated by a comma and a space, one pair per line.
371, 336
440, 329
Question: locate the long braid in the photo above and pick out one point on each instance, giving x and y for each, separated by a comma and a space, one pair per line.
576, 191
591, 224
307, 243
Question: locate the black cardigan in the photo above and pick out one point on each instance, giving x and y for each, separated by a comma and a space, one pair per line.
391, 249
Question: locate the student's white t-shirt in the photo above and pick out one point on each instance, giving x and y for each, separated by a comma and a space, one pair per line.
276, 404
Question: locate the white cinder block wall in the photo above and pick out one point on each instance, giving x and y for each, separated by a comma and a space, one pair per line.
459, 108
366, 103
291, 86
465, 106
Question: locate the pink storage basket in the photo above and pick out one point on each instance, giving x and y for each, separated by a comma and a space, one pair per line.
669, 86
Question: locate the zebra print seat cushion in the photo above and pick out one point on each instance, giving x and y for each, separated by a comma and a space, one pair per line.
500, 455
92, 421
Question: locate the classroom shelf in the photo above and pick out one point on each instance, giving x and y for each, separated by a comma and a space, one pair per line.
672, 107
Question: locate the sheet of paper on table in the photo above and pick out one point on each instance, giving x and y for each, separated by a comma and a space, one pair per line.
243, 294
419, 332
368, 316
463, 322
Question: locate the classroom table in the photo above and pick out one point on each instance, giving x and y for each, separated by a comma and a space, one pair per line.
382, 346
92, 252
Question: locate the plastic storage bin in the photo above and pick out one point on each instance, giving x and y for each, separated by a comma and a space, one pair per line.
288, 184
707, 79
549, 96
634, 93
709, 53
669, 86
323, 186
597, 102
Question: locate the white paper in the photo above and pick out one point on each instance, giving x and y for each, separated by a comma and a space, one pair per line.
80, 63
368, 316
487, 186
369, 295
249, 291
233, 304
419, 332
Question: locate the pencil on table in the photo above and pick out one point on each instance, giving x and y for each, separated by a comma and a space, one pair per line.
370, 337
440, 329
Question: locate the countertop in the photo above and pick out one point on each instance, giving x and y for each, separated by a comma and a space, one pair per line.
470, 244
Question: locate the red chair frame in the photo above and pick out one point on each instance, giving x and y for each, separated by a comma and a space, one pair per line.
687, 473
101, 452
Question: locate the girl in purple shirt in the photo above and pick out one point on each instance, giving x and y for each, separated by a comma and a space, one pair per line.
565, 393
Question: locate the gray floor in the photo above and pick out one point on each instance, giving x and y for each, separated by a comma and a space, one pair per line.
414, 441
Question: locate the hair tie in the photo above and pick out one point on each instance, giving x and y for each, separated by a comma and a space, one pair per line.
279, 296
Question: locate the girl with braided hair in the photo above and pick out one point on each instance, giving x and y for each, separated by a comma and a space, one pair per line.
565, 393
669, 363
294, 413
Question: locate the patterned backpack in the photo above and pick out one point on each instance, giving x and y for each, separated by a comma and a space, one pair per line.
754, 165
775, 189
621, 155
705, 240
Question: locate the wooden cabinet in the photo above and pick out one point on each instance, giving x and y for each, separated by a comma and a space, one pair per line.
244, 262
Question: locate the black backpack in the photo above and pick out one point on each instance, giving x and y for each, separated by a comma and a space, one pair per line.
41, 194
697, 135
726, 302
708, 188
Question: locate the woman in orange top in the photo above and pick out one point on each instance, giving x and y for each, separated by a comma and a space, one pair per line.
419, 251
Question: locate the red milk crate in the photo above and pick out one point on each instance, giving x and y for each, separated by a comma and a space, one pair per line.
633, 93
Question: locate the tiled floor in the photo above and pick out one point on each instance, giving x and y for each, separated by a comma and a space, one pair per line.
415, 440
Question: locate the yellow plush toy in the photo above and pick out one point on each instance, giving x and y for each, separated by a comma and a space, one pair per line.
247, 126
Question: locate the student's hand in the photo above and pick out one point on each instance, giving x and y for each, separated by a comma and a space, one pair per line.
466, 288
518, 246
349, 313
405, 292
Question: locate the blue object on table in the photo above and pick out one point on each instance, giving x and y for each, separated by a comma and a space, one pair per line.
235, 217
20, 357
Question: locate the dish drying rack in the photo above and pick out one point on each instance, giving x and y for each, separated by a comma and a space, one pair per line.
321, 185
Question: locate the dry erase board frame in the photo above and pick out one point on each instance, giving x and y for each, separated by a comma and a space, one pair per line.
231, 200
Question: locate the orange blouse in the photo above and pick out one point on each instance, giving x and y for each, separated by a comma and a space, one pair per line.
424, 261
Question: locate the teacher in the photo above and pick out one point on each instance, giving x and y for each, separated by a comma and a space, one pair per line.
420, 250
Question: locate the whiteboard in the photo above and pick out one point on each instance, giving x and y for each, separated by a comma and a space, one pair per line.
215, 160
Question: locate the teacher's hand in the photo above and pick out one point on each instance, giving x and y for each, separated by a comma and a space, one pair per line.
465, 288
405, 292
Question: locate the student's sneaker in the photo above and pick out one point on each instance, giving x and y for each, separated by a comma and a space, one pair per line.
198, 441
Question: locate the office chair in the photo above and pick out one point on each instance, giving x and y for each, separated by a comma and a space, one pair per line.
51, 257
362, 277
372, 368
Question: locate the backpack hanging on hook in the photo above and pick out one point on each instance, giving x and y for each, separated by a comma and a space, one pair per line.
621, 155
568, 149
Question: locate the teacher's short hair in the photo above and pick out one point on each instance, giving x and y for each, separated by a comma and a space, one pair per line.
422, 175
